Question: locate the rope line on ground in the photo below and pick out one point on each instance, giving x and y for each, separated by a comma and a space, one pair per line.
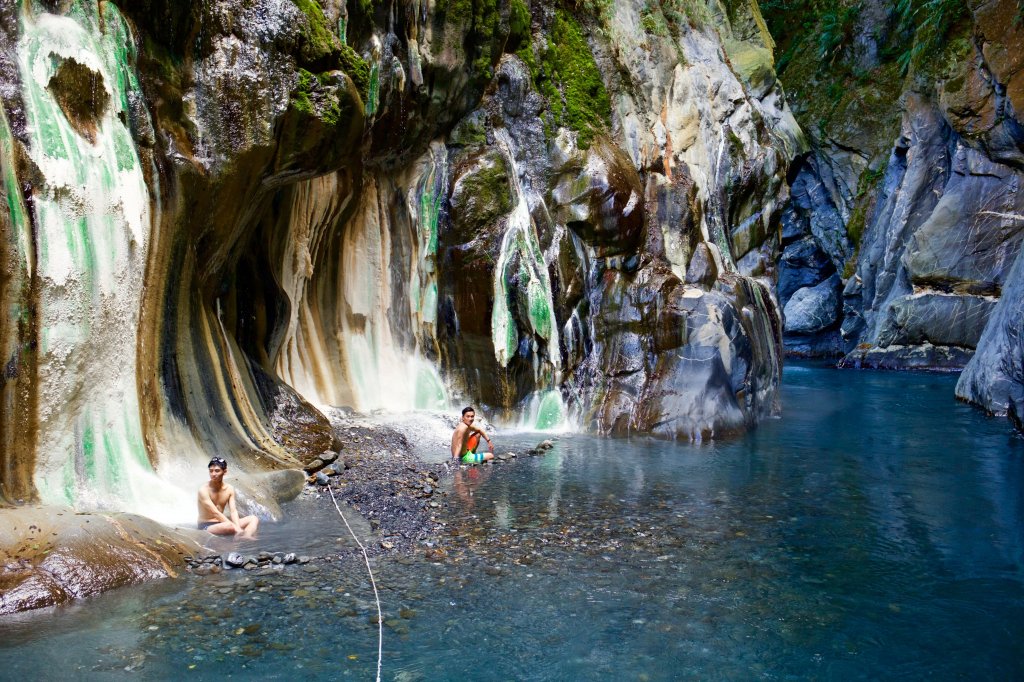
376, 597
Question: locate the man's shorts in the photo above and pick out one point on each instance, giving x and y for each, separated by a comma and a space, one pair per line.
203, 525
473, 457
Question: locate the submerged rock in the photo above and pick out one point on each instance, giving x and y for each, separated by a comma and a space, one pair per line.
282, 486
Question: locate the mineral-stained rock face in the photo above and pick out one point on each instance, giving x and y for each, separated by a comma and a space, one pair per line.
589, 257
222, 217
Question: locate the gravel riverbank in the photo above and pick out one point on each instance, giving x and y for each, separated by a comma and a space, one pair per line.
389, 480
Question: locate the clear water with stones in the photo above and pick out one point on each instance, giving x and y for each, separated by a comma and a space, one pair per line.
875, 531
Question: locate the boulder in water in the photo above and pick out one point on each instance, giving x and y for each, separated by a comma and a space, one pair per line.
49, 555
283, 485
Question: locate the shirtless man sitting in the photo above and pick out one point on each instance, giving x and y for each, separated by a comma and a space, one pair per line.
466, 439
217, 495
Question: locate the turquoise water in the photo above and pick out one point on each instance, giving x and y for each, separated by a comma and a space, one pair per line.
875, 531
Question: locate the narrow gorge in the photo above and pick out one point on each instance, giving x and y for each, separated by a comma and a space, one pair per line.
228, 220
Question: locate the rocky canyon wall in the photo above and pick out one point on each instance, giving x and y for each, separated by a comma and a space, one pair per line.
224, 217
905, 219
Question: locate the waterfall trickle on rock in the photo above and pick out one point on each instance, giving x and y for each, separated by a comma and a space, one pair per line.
546, 411
93, 218
521, 257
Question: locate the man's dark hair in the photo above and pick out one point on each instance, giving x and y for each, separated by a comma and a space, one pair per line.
218, 462
467, 409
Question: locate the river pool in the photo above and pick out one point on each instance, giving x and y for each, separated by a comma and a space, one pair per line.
875, 531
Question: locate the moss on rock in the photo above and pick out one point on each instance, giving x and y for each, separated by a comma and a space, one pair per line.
518, 26
484, 31
322, 96
318, 39
357, 69
863, 204
567, 75
481, 196
321, 49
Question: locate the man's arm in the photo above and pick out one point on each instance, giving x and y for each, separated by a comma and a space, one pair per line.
484, 434
457, 441
231, 507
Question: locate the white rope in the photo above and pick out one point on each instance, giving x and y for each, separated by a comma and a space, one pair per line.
380, 616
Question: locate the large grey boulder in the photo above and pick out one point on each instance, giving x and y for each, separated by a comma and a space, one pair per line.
812, 309
941, 319
974, 232
680, 362
284, 485
803, 264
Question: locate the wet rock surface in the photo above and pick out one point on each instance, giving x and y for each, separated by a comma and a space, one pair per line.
51, 556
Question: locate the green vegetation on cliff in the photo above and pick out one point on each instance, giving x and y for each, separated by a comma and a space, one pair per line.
931, 22
322, 47
673, 17
913, 32
845, 63
317, 96
864, 202
484, 196
357, 69
518, 25
484, 34
318, 38
564, 71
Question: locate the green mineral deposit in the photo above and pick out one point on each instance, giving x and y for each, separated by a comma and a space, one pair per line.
551, 413
374, 91
84, 245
